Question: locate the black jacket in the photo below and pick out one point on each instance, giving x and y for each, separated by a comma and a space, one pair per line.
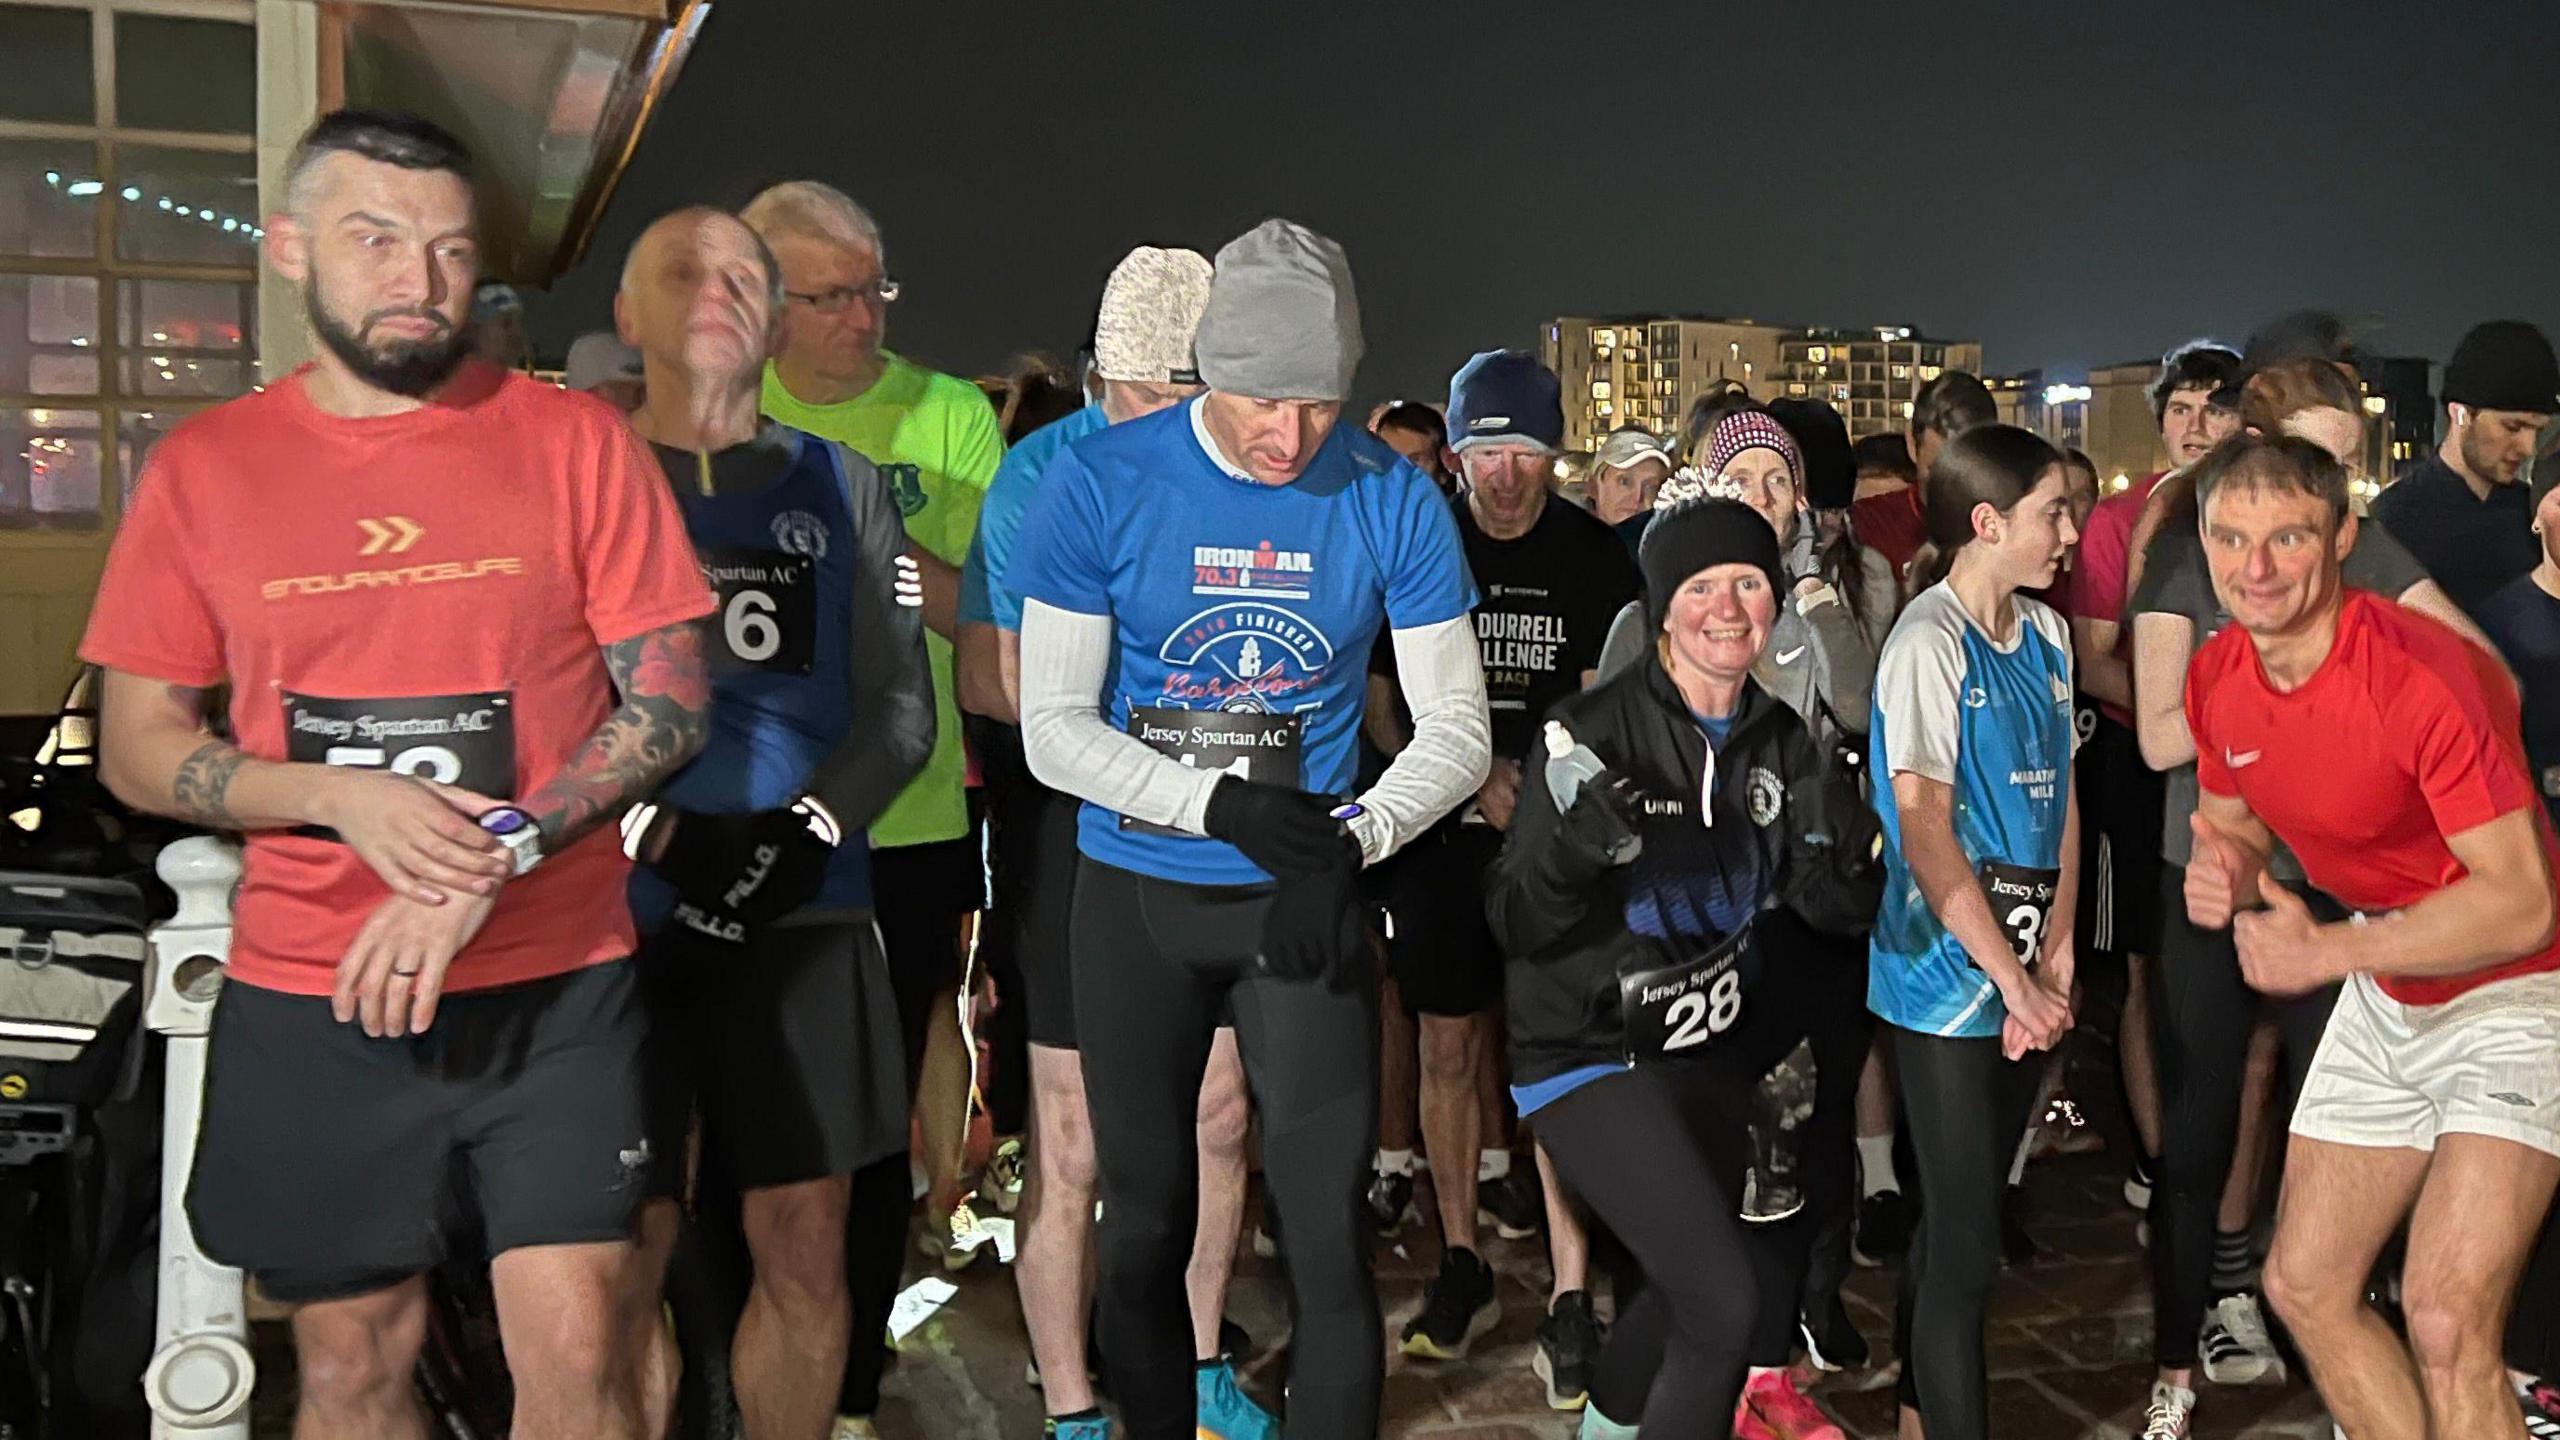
1789, 830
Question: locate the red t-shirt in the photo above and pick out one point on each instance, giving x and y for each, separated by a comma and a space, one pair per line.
1893, 526
425, 591
2406, 734
2099, 566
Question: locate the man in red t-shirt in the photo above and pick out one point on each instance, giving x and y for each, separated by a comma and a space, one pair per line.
1895, 524
2385, 751
423, 582
2122, 796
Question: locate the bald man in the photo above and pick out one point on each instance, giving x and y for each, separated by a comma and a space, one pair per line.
772, 1011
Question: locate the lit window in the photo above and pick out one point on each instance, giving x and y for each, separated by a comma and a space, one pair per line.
1928, 372
1599, 389
1605, 409
1839, 392
1604, 338
1906, 409
1818, 353
1901, 372
1795, 387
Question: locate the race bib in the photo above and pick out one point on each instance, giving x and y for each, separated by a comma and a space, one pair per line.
1671, 1010
768, 609
465, 740
1248, 744
2022, 901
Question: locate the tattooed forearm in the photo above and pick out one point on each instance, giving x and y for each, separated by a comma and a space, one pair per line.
665, 714
202, 791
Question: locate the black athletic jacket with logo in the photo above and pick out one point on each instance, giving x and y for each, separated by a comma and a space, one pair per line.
1789, 830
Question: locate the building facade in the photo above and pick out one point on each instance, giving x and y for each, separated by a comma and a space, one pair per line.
1648, 370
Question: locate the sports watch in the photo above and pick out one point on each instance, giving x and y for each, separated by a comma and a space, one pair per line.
519, 832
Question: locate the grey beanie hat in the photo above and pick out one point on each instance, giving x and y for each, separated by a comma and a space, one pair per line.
1150, 311
1282, 322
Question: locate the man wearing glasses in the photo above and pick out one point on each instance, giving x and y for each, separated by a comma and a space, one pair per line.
937, 443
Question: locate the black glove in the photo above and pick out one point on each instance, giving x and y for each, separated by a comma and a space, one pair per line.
732, 873
1286, 832
1313, 930
1599, 829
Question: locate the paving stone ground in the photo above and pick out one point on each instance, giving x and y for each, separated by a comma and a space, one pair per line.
2069, 1340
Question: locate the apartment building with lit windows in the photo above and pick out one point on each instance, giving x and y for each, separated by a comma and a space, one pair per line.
1648, 370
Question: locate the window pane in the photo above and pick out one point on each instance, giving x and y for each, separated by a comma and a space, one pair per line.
185, 75
46, 205
49, 67
48, 470
177, 202
48, 340
142, 430
184, 337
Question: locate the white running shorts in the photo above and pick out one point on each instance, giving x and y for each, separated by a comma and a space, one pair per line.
2486, 1062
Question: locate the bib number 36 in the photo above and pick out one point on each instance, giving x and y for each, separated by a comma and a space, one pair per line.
2022, 901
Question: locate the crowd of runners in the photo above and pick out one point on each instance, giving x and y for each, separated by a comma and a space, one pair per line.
1703, 869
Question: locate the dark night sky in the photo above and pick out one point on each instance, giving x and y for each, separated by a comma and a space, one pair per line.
2071, 183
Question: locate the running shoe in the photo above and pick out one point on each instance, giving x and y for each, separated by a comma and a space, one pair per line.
1832, 1341
1001, 1185
2017, 1247
1782, 1410
859, 1427
1568, 1343
2137, 1183
1884, 1229
1596, 1426
1226, 1412
1512, 1204
2172, 1412
1390, 1202
2065, 1130
2235, 1344
2540, 1400
956, 1241
1077, 1427
1459, 1309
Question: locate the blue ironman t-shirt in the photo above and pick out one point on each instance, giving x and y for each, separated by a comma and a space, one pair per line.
1227, 594
985, 598
781, 560
1994, 723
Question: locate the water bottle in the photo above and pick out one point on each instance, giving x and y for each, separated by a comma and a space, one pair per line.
1569, 764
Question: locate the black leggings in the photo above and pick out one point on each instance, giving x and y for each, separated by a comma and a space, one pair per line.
875, 1256
1155, 963
2202, 1013
1803, 1259
1966, 1109
1651, 1151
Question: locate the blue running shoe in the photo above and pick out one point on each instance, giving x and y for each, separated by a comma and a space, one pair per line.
1596, 1426
1226, 1412
1077, 1427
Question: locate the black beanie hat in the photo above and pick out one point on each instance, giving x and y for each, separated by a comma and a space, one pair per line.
2504, 365
1830, 467
1691, 535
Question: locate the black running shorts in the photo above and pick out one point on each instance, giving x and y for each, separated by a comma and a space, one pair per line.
2121, 800
334, 1164
1440, 949
764, 1043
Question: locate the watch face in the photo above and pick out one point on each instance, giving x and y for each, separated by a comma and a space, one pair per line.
506, 821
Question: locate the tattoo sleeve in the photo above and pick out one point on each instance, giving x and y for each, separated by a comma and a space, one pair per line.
665, 714
202, 791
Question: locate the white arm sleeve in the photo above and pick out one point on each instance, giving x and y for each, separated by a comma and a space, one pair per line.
1065, 658
1443, 683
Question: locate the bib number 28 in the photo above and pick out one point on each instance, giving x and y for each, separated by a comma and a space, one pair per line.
1700, 1016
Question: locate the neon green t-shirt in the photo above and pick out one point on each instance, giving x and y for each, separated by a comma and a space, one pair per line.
937, 443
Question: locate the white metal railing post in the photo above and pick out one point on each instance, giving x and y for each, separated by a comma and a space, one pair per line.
201, 1373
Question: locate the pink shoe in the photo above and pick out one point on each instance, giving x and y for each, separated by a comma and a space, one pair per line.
1782, 1412
1747, 1424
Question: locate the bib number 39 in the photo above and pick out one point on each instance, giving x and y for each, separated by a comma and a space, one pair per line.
2022, 901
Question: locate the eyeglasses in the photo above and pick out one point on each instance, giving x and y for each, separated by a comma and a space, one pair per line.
831, 302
